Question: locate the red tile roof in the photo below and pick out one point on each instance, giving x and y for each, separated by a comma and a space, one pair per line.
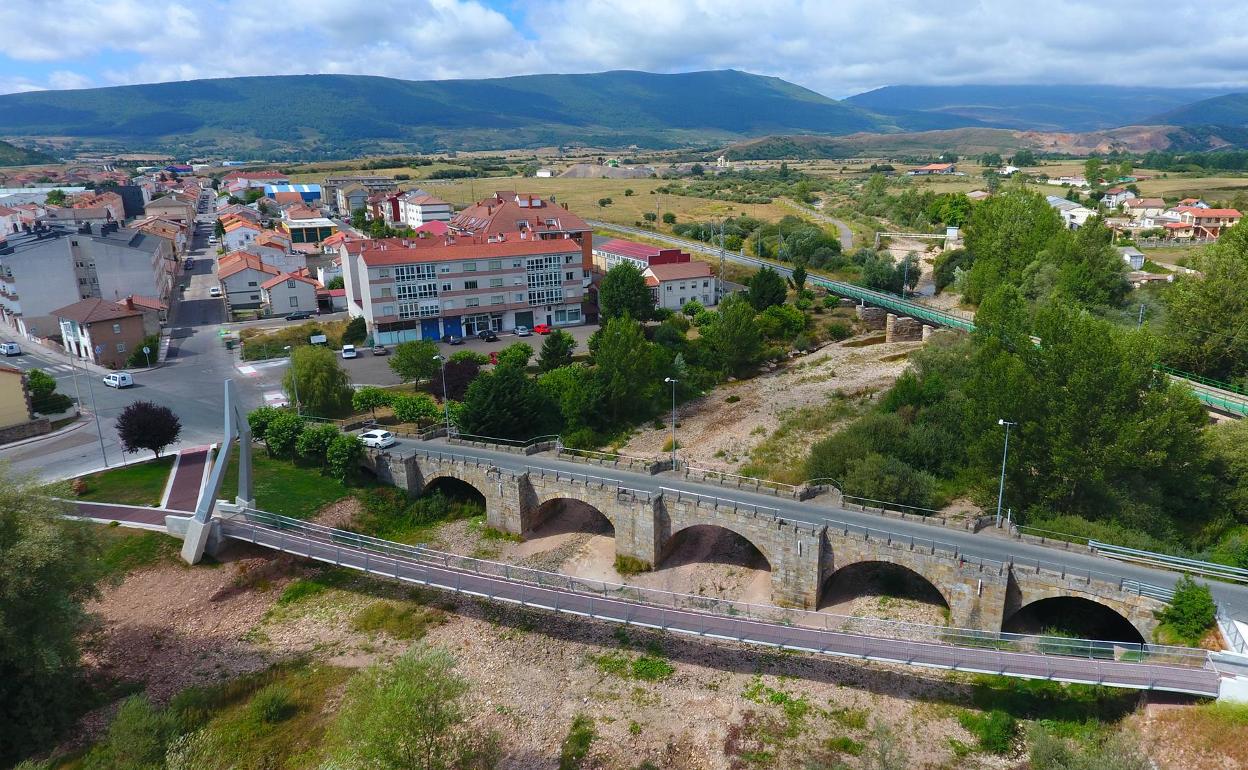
280, 277
93, 310
246, 262
504, 213
680, 271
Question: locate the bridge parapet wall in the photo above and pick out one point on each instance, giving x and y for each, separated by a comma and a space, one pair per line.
631, 512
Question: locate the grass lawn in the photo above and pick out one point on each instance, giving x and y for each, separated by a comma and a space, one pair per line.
125, 550
134, 484
282, 487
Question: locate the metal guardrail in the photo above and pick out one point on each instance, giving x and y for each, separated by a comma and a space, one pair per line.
292, 532
1202, 380
1178, 563
1231, 632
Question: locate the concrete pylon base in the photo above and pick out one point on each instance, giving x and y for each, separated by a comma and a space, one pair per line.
200, 537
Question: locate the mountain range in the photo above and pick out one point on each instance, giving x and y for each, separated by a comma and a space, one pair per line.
319, 116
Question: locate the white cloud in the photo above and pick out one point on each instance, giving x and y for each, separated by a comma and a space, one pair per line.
835, 47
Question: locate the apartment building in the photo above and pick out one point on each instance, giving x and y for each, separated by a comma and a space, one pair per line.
418, 207
51, 267
425, 288
529, 214
609, 252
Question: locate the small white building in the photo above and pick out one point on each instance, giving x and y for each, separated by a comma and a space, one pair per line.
286, 293
544, 173
1132, 256
239, 234
674, 284
1116, 196
240, 276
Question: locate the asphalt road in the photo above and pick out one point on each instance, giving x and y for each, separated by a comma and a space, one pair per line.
984, 545
189, 383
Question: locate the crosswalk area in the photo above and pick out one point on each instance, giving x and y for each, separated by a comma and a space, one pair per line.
253, 369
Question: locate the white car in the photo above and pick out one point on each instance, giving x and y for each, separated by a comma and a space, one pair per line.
215, 292
349, 351
378, 439
118, 380
10, 349
522, 331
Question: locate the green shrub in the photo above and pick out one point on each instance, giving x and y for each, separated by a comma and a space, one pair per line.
273, 704
480, 359
1191, 613
139, 359
400, 621
343, 456
995, 730
631, 565
844, 745
419, 409
258, 420
576, 745
313, 443
356, 331
838, 330
282, 433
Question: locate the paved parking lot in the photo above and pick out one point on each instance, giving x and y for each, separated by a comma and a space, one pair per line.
368, 369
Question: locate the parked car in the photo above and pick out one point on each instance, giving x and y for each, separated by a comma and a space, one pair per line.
215, 292
118, 380
349, 351
542, 329
299, 315
212, 239
10, 348
522, 331
380, 350
487, 336
377, 439
451, 339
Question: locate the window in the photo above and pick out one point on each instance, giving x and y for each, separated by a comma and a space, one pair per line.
496, 282
290, 284
669, 287
706, 284
252, 283
472, 302
121, 347
386, 292
444, 268
681, 302
496, 264
294, 302
429, 309
255, 297
470, 267
517, 263
387, 309
497, 299
383, 273
519, 296
568, 276
470, 284
116, 328
446, 286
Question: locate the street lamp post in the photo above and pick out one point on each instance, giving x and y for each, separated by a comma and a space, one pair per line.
446, 402
673, 382
294, 381
91, 392
1004, 454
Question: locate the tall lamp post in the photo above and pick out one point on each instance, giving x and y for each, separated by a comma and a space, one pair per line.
673, 382
1004, 454
294, 381
446, 401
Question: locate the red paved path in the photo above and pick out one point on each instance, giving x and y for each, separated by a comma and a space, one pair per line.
125, 514
187, 479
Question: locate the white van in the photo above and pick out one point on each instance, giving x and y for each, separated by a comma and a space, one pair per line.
10, 349
118, 380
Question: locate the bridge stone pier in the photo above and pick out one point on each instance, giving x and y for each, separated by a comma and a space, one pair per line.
803, 558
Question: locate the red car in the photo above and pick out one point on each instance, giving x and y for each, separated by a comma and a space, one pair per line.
542, 328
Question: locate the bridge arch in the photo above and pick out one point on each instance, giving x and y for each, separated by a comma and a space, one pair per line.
1079, 616
701, 537
455, 487
558, 515
882, 578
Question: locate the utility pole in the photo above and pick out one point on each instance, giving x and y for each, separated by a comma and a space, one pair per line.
905, 275
1140, 321
446, 401
91, 392
1004, 455
294, 381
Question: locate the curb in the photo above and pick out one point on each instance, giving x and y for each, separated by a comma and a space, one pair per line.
77, 424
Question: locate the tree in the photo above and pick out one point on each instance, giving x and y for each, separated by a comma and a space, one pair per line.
799, 277
604, 202
692, 308
990, 159
623, 291
1191, 612
650, 216
252, 195
766, 289
43, 396
356, 331
1092, 170
1024, 158
313, 442
343, 456
625, 369
359, 219
258, 420
669, 218
735, 336
144, 425
556, 350
56, 198
459, 375
48, 571
403, 715
1003, 236
507, 404
219, 229
1206, 327
578, 394
281, 435
419, 409
323, 387
370, 397
628, 192
415, 360
337, 282
697, 170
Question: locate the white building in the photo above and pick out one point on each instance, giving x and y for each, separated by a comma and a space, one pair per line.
418, 207
674, 284
286, 293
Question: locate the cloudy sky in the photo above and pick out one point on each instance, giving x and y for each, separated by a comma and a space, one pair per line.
836, 47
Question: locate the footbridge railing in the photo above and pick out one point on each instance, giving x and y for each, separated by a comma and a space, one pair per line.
1078, 660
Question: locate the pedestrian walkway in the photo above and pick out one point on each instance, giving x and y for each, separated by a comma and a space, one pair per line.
138, 516
187, 480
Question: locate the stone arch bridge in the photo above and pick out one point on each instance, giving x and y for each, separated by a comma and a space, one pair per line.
802, 557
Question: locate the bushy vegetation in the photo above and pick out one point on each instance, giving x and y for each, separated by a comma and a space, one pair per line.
1191, 613
913, 209
43, 396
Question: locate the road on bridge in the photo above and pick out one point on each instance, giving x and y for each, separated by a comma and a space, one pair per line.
1233, 597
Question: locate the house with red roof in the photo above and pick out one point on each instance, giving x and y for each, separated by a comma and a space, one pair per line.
673, 284
933, 168
288, 292
240, 275
529, 214
1208, 222
609, 252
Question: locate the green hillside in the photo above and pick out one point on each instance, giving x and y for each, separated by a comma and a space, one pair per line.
12, 155
1027, 107
1228, 110
342, 114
